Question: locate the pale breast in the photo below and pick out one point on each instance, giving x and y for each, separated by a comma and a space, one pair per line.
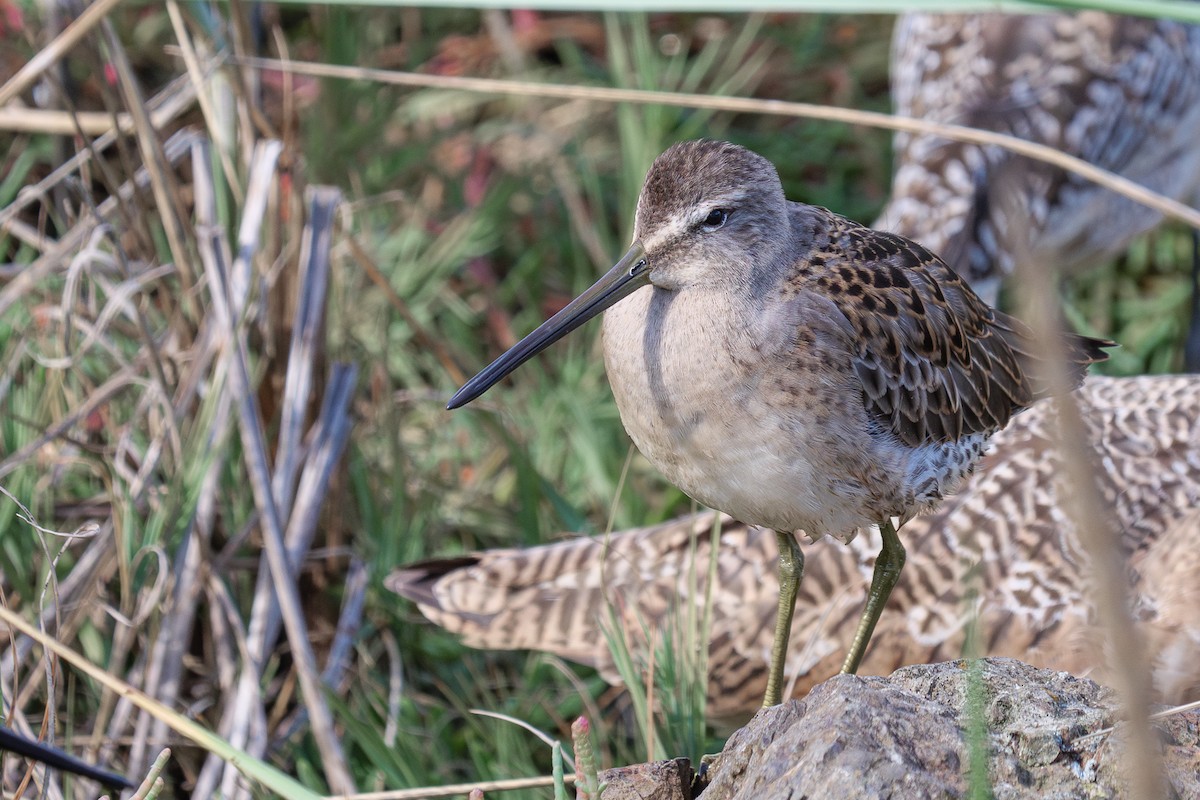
771, 431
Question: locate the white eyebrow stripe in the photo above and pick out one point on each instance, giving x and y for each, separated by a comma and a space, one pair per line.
681, 222
675, 225
733, 198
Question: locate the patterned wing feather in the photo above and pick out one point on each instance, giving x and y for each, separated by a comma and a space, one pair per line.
936, 362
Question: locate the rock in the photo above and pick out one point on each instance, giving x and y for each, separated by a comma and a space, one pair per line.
905, 736
659, 780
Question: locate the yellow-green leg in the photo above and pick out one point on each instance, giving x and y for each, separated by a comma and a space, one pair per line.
887, 572
791, 572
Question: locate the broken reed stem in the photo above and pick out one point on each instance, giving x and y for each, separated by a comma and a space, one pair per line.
224, 289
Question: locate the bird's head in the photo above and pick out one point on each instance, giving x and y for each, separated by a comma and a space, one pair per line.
709, 215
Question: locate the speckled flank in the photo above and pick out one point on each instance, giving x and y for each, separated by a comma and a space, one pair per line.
1005, 536
1119, 92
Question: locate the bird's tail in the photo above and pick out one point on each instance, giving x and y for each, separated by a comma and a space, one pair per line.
1078, 351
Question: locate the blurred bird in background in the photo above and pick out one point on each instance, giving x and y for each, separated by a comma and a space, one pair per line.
1122, 93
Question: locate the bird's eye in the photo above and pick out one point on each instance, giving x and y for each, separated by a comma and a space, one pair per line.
715, 219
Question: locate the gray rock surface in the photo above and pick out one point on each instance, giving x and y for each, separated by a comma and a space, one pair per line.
658, 780
904, 736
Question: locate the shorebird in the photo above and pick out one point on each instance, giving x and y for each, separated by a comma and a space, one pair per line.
1120, 92
793, 368
1002, 554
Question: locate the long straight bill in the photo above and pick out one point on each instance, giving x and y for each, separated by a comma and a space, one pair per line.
630, 274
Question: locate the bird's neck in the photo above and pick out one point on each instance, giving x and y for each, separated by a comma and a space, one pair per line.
652, 335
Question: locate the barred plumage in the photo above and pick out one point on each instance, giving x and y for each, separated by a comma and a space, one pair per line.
1120, 92
1005, 535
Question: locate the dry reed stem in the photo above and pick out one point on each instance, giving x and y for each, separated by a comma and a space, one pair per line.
1098, 536
165, 189
199, 78
165, 107
336, 671
181, 724
92, 16
456, 789
56, 253
328, 441
242, 681
61, 123
1123, 186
